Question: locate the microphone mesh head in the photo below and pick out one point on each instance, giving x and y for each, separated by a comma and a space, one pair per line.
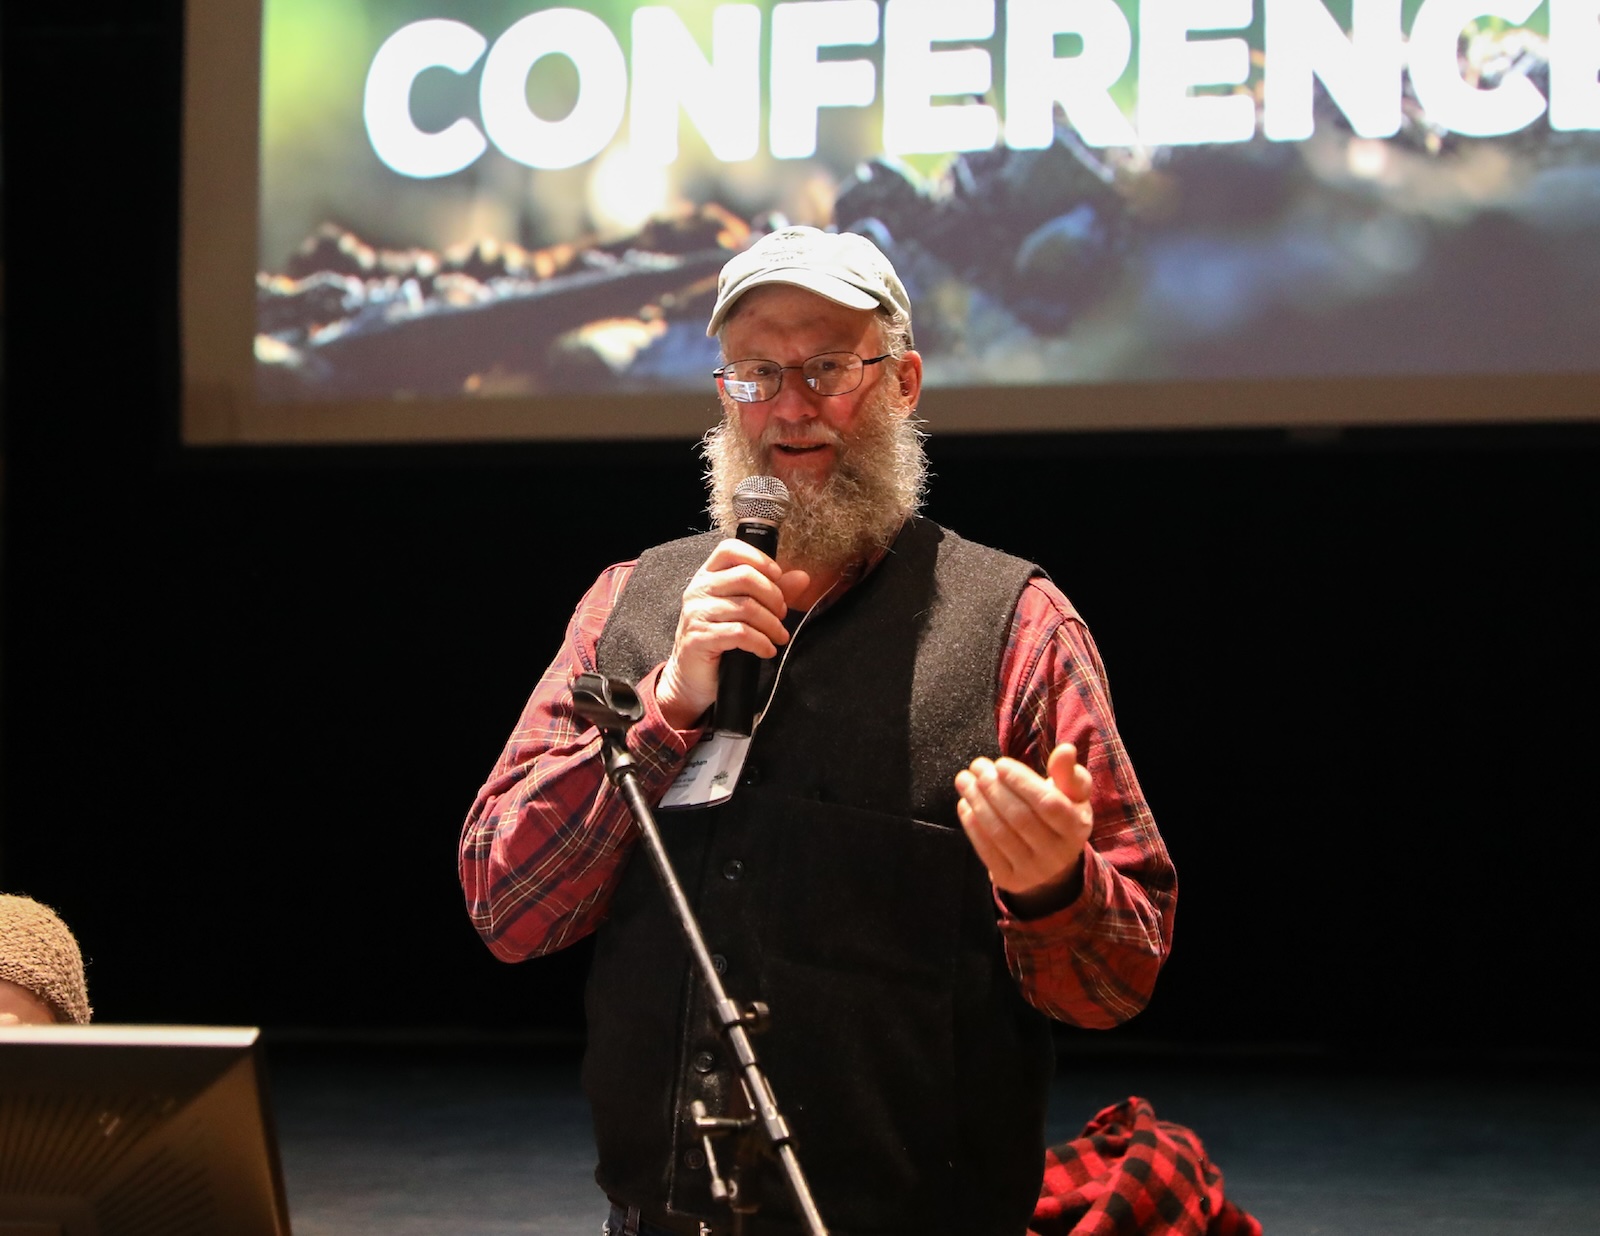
761, 497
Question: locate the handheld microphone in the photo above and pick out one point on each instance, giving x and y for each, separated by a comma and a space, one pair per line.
759, 505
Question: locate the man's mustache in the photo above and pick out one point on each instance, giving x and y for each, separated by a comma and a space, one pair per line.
805, 433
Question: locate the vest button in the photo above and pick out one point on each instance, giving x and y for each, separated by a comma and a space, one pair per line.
694, 1157
719, 963
704, 1062
733, 869
752, 775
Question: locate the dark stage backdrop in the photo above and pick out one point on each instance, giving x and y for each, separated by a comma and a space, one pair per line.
248, 698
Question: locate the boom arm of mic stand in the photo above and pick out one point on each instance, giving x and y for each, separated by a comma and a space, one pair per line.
612, 707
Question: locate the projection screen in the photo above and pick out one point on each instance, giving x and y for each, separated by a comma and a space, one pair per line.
407, 220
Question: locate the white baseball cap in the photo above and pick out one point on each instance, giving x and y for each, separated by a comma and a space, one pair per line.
843, 267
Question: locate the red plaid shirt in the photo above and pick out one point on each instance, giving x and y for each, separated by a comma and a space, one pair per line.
542, 848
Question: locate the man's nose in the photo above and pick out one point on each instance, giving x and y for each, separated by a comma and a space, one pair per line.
795, 400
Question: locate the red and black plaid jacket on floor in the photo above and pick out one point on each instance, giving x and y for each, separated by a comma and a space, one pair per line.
1130, 1173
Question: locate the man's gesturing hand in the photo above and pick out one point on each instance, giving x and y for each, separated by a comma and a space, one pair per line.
1028, 830
737, 599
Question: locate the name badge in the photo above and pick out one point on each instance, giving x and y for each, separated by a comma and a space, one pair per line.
710, 775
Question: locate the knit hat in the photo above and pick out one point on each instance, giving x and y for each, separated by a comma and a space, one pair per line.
38, 952
841, 266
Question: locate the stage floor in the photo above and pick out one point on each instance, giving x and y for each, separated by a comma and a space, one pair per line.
481, 1139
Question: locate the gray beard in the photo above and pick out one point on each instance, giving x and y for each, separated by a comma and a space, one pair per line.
877, 482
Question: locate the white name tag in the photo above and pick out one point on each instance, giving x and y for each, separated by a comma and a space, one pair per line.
711, 773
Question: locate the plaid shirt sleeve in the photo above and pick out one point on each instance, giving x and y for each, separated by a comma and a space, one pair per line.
1094, 962
542, 847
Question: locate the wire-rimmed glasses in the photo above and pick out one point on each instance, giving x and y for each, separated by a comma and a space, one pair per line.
827, 373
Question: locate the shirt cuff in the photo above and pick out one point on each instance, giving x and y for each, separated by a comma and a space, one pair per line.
659, 748
1072, 919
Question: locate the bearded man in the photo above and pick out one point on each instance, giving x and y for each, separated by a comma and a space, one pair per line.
936, 842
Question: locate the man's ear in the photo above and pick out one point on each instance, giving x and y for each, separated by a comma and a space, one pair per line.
909, 374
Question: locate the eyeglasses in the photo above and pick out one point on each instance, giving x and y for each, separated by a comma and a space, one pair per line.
830, 373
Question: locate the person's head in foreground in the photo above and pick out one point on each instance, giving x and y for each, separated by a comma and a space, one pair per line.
819, 385
41, 967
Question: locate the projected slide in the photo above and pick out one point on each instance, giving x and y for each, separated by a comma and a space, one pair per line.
500, 198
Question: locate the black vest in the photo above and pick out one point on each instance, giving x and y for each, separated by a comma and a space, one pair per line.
837, 887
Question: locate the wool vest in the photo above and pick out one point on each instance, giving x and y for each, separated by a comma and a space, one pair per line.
837, 887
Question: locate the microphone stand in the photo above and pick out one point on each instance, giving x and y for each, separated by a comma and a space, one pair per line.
611, 706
